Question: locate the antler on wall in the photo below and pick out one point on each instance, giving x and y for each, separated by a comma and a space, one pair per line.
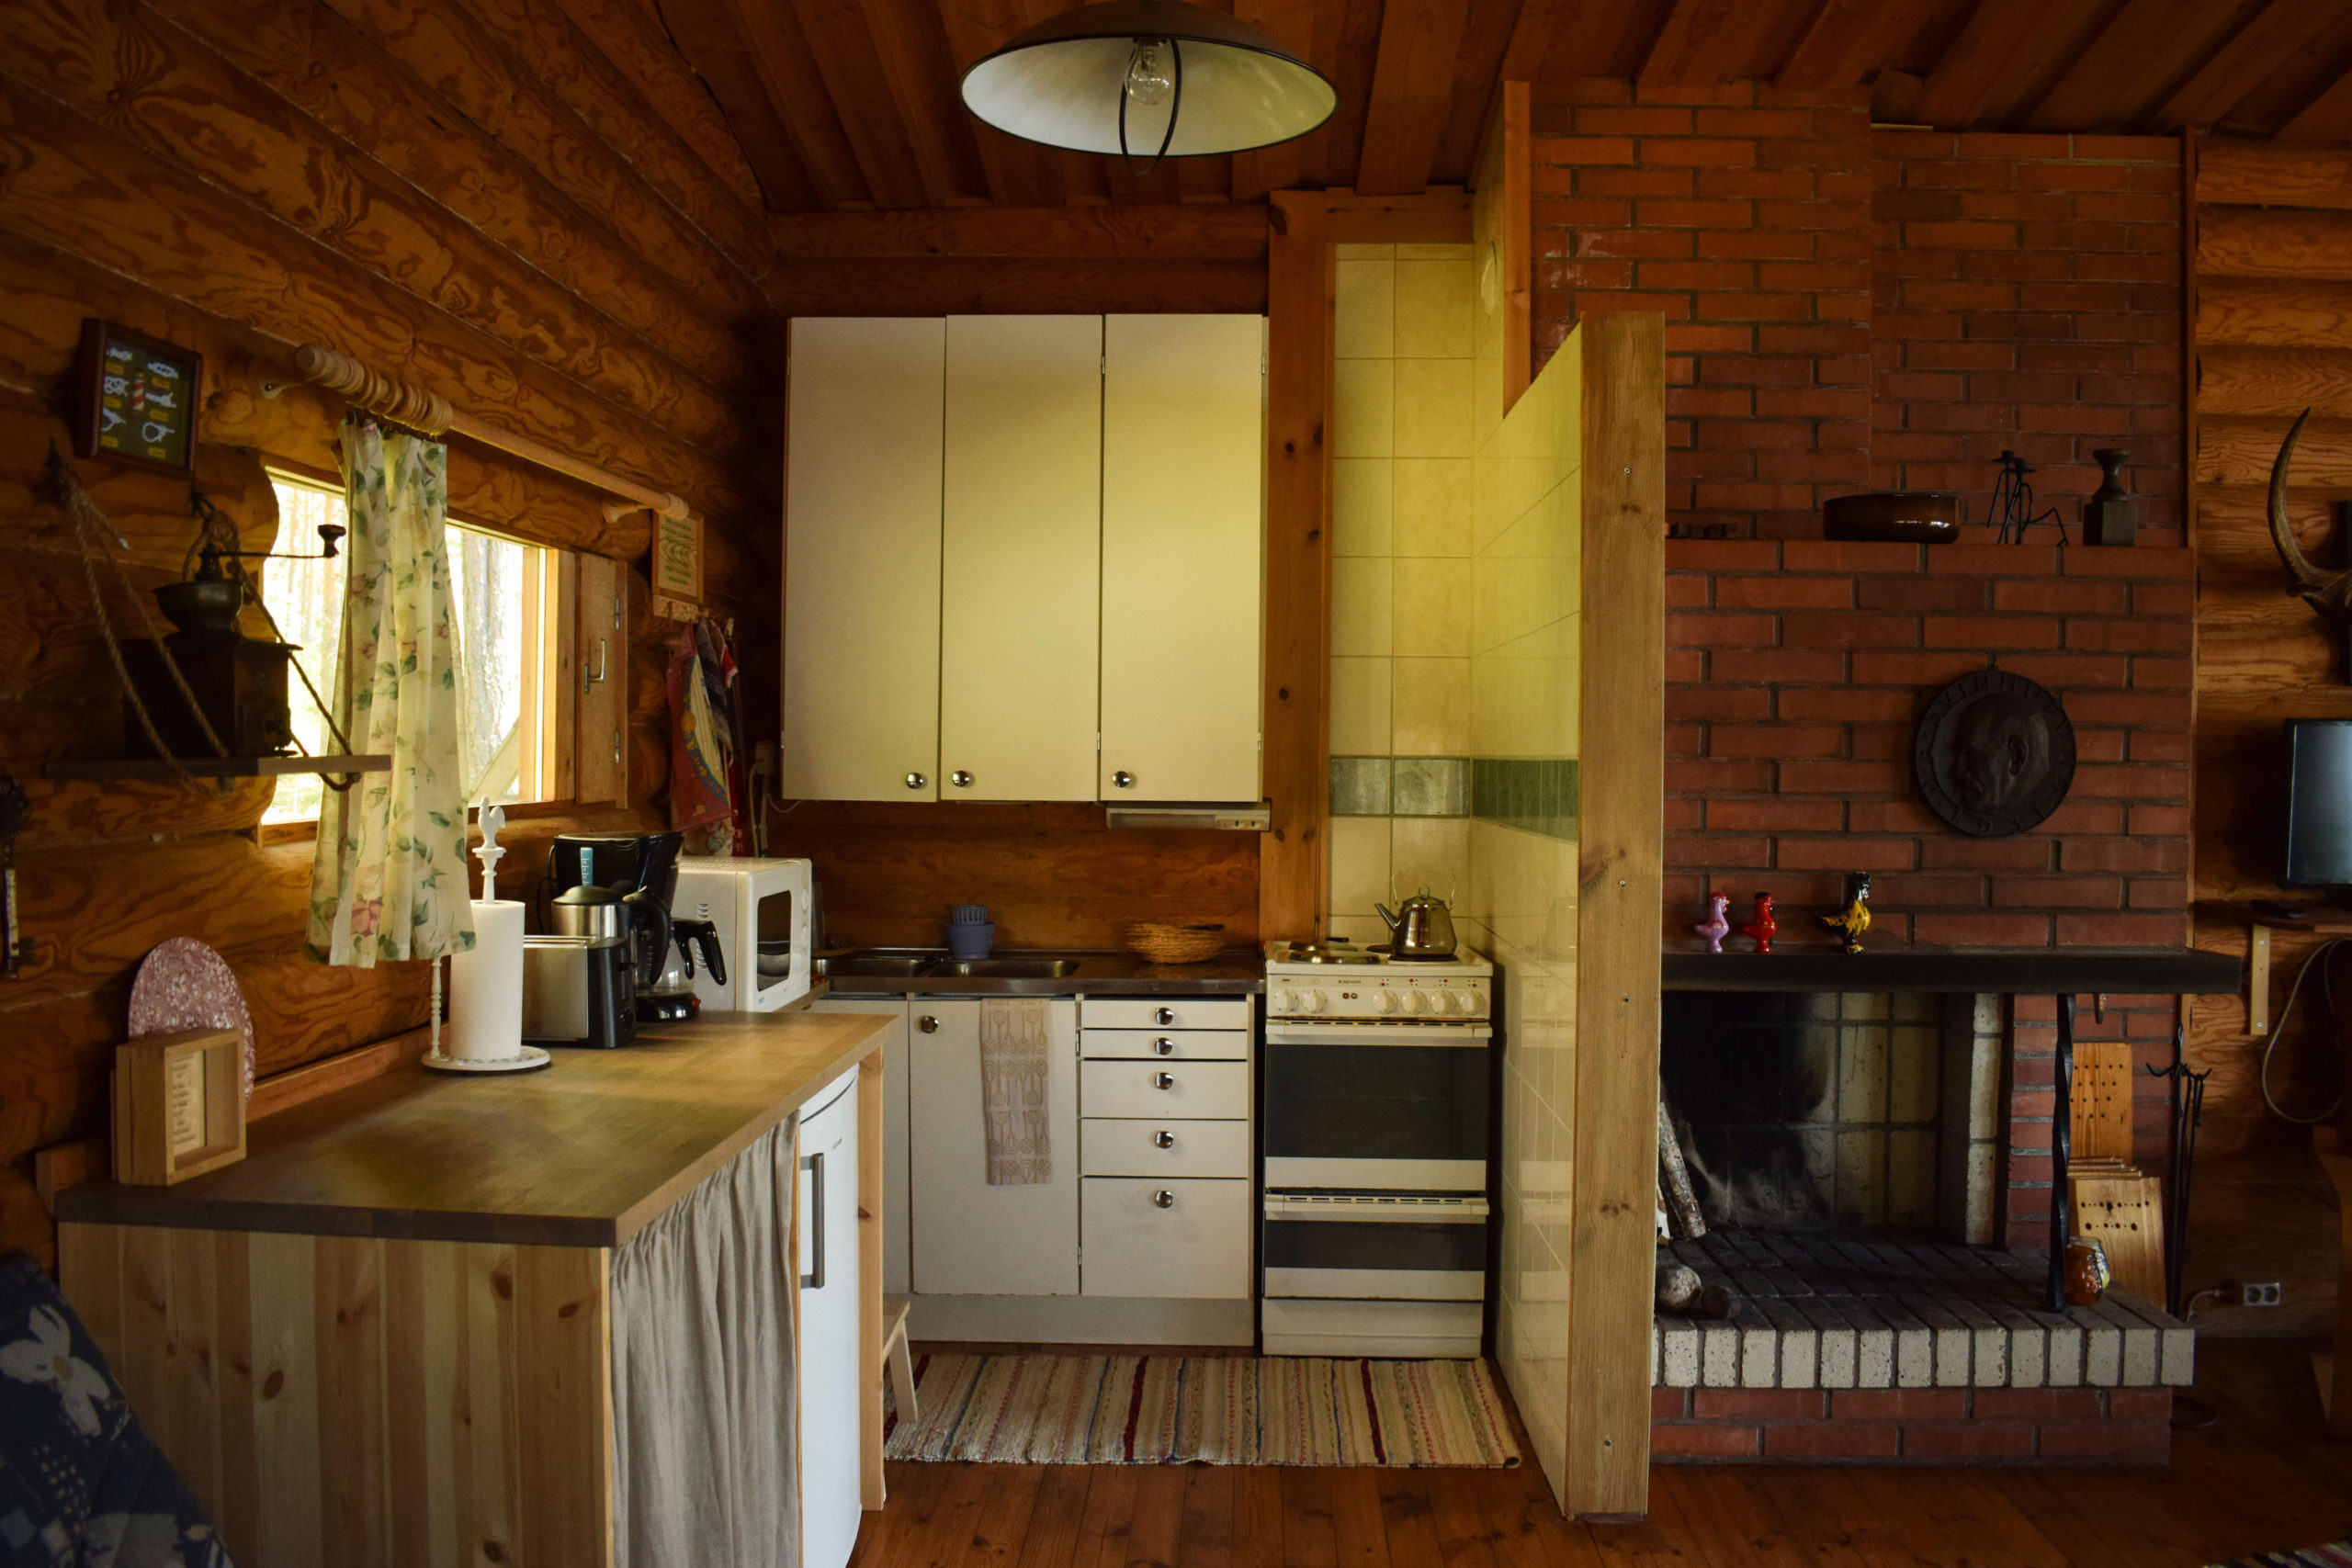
2329, 593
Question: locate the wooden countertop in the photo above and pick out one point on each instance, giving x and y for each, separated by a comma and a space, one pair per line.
583, 1153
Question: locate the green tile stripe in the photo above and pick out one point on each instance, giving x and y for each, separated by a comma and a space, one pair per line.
1537, 794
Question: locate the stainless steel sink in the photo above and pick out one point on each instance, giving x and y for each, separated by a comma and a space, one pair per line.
874, 967
1003, 968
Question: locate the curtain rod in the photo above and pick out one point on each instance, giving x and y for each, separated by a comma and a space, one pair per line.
431, 414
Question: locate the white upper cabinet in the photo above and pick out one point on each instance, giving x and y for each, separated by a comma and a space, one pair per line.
860, 577
1021, 564
1183, 552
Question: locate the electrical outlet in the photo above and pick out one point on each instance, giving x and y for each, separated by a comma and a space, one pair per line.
2267, 1295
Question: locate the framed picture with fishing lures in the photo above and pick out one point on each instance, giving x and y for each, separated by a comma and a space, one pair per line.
135, 397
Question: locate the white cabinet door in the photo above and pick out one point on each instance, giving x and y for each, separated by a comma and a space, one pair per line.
895, 1251
1167, 1237
831, 1355
1183, 553
971, 1238
1021, 566
861, 579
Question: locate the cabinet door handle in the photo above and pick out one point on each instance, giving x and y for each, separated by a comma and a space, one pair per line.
1163, 1047
916, 780
1163, 1139
814, 1166
928, 1024
1163, 1080
1164, 1016
1163, 1199
1124, 779
960, 778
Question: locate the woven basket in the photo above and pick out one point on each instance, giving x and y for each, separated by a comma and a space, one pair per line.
1175, 944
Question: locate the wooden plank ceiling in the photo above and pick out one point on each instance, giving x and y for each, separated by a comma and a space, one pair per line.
845, 105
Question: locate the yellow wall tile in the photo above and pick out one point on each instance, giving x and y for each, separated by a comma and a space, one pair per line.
1361, 506
1432, 705
1364, 409
1359, 864
1431, 507
1360, 707
1429, 854
1363, 308
1361, 605
1434, 607
1433, 309
1431, 408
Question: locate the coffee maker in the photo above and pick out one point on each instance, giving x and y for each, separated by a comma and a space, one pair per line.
610, 894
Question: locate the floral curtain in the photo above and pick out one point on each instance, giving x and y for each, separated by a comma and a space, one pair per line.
388, 880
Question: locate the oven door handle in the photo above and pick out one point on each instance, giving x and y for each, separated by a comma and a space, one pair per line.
1469, 1035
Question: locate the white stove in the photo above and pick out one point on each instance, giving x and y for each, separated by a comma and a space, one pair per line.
1335, 983
1376, 1126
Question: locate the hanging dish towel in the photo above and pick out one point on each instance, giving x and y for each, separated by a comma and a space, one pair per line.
1012, 1089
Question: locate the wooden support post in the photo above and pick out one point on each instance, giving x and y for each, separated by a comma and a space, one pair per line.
2061, 1146
1620, 851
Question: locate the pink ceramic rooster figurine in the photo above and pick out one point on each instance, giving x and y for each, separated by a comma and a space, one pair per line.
1717, 925
1762, 927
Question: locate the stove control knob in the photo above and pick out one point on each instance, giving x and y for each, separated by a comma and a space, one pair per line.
1449, 1001
1317, 1001
1388, 1001
1475, 1004
1417, 1001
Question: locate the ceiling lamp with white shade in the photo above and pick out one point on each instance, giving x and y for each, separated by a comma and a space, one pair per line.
1148, 79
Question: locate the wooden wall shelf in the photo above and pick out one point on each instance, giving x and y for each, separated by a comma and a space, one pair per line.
155, 769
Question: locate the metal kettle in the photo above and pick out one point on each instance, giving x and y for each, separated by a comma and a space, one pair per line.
1423, 928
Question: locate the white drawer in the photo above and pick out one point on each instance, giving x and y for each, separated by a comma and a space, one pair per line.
1163, 1013
1195, 1244
1166, 1044
1164, 1089
1111, 1147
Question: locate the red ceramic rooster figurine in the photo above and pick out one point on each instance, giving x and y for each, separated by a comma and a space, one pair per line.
1762, 927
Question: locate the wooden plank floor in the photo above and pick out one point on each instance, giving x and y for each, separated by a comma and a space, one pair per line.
2266, 1478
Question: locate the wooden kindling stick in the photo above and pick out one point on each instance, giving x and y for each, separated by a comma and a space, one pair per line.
430, 414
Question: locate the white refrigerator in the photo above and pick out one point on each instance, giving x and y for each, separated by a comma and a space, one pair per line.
832, 1362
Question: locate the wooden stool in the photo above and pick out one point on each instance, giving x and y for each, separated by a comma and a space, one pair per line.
895, 1360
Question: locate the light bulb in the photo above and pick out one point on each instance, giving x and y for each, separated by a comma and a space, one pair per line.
1148, 79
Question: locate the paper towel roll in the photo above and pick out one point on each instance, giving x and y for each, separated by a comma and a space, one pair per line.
486, 987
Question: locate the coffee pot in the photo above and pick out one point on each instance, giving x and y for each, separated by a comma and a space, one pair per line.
1422, 928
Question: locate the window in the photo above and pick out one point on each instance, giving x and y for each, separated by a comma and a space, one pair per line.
503, 597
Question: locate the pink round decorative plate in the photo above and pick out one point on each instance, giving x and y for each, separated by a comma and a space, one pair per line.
185, 985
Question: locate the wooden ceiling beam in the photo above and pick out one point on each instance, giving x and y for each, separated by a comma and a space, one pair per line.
1018, 174
758, 65
1847, 40
911, 41
1292, 24
2240, 66
1561, 41
1704, 42
1176, 232
1412, 84
850, 68
638, 49
2000, 59
1477, 85
2146, 48
2327, 117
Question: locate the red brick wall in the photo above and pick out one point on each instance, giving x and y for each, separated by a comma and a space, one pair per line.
2025, 294
1797, 670
1956, 1426
1742, 213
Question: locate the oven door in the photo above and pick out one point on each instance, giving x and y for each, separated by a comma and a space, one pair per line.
1385, 1107
1361, 1247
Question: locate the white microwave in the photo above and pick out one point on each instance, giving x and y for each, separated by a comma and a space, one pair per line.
761, 910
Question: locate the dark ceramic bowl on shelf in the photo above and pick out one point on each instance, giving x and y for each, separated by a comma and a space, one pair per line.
1892, 517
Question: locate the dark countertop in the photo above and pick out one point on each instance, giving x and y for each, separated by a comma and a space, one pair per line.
582, 1153
2053, 971
1236, 971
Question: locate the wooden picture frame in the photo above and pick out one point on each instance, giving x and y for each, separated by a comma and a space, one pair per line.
135, 397
179, 1106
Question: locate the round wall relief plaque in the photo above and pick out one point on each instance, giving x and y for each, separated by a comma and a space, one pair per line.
1993, 754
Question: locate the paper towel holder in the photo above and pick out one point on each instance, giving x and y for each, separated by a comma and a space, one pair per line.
528, 1058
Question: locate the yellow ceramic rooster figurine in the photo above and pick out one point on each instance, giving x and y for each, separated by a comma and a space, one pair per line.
1852, 920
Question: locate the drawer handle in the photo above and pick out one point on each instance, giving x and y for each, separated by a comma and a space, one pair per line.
1163, 1139
1164, 1016
1163, 1080
1163, 1199
1163, 1047
916, 780
928, 1024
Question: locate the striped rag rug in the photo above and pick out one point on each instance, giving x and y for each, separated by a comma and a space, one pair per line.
2336, 1556
1206, 1409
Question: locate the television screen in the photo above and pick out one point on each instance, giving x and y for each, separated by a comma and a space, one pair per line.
2319, 803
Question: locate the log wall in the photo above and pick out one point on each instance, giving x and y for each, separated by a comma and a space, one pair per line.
537, 244
2272, 324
